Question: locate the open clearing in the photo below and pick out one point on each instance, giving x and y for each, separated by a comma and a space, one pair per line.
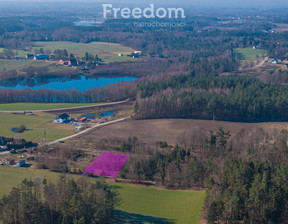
103, 50
250, 54
35, 125
281, 27
151, 131
179, 206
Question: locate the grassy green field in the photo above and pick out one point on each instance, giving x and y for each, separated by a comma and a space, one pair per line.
250, 54
49, 66
6, 64
181, 207
40, 106
120, 59
19, 53
35, 125
104, 50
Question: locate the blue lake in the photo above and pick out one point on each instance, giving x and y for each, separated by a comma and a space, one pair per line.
80, 83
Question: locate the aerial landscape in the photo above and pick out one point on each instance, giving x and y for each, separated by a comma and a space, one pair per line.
143, 112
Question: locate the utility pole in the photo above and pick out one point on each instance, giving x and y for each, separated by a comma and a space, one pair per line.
44, 139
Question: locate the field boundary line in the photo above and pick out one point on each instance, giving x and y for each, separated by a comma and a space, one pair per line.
69, 108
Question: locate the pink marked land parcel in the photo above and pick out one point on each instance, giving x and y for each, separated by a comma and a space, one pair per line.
107, 164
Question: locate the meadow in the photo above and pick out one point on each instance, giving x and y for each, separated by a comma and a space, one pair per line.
250, 54
178, 206
48, 66
6, 64
41, 106
35, 125
17, 52
103, 50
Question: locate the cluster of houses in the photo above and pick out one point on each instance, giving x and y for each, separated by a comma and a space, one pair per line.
12, 162
284, 63
72, 61
78, 122
65, 119
17, 163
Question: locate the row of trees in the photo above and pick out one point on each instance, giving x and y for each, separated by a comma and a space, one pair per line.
39, 201
113, 92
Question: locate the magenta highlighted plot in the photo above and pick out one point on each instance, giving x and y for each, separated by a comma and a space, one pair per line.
107, 164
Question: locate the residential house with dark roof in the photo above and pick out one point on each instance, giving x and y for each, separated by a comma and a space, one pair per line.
63, 118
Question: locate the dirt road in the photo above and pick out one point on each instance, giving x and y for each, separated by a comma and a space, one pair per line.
86, 131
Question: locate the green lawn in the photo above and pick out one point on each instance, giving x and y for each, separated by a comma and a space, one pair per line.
104, 50
19, 53
181, 207
250, 54
35, 125
40, 106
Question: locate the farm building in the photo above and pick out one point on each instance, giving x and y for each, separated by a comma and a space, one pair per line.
10, 162
138, 52
63, 62
41, 57
30, 56
63, 118
20, 163
69, 62
72, 62
83, 119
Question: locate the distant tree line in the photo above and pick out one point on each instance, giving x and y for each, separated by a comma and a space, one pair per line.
231, 98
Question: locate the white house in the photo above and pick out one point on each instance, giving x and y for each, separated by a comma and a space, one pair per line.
63, 118
275, 61
138, 52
